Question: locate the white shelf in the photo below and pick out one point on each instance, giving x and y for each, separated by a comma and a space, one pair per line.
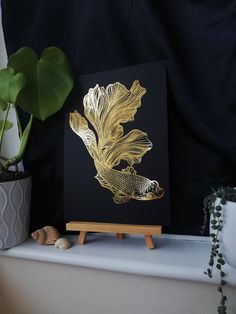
176, 257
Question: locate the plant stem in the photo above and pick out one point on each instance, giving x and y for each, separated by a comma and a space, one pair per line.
18, 122
24, 140
3, 126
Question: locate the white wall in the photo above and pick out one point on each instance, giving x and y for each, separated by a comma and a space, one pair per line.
11, 140
3, 54
31, 287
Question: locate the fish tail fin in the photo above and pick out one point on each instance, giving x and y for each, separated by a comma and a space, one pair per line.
107, 109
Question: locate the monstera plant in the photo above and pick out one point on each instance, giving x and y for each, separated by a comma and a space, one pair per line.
39, 86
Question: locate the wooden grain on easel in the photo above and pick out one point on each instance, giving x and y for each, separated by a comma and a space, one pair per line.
119, 229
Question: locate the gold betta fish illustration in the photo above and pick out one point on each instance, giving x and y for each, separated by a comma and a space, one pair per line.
106, 109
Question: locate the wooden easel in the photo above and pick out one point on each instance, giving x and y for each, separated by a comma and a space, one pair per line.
119, 229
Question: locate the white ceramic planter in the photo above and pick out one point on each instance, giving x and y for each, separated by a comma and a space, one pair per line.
14, 212
228, 234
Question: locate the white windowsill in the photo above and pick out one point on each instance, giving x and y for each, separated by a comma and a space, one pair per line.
176, 256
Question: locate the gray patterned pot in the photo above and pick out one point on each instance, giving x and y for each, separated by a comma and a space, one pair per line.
14, 212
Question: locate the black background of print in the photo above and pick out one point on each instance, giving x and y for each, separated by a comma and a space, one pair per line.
85, 199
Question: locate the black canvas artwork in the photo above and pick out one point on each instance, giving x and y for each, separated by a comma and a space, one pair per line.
116, 148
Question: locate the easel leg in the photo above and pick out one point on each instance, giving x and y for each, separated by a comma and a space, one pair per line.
82, 237
149, 242
120, 236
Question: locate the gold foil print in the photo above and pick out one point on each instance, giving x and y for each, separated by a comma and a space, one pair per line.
106, 109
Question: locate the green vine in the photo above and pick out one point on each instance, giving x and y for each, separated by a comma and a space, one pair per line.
216, 257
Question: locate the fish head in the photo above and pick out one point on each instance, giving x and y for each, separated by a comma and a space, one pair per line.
154, 191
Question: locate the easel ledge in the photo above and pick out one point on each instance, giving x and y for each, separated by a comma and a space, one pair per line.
119, 229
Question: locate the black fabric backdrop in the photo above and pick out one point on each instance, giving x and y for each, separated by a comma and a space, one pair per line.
198, 40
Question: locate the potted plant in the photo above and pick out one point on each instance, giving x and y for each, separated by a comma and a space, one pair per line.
39, 86
221, 205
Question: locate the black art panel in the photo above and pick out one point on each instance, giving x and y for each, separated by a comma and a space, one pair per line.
85, 199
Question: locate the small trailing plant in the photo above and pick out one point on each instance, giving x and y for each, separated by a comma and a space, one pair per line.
216, 257
39, 86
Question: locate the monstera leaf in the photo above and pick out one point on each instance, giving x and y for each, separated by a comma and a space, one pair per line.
11, 84
49, 80
3, 105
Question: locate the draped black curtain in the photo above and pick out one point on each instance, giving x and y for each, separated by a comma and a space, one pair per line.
197, 38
